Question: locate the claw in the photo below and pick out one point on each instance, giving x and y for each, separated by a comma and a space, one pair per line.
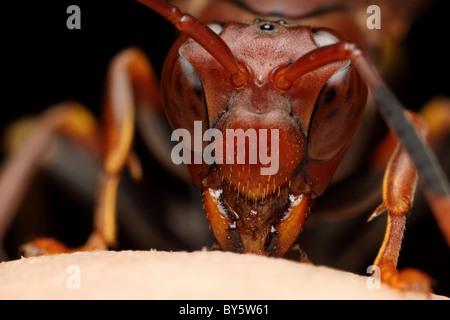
50, 246
406, 280
43, 246
378, 211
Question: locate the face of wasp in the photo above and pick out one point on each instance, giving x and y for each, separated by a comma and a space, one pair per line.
272, 151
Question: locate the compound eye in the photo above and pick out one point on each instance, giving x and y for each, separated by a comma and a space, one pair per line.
340, 102
324, 37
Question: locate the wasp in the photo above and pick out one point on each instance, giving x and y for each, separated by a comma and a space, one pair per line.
300, 69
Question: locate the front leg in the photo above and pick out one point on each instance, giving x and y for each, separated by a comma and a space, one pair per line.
398, 190
131, 87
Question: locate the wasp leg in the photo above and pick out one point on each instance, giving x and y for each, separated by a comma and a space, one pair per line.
398, 190
18, 170
301, 254
436, 114
131, 86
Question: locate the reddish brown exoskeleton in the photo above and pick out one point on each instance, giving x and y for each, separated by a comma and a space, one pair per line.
309, 83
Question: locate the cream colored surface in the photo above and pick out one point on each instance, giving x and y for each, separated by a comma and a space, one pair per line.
180, 275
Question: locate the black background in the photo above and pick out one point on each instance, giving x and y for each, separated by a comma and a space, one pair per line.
45, 62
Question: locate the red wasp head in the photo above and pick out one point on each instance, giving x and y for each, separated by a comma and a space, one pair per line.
275, 138
313, 120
